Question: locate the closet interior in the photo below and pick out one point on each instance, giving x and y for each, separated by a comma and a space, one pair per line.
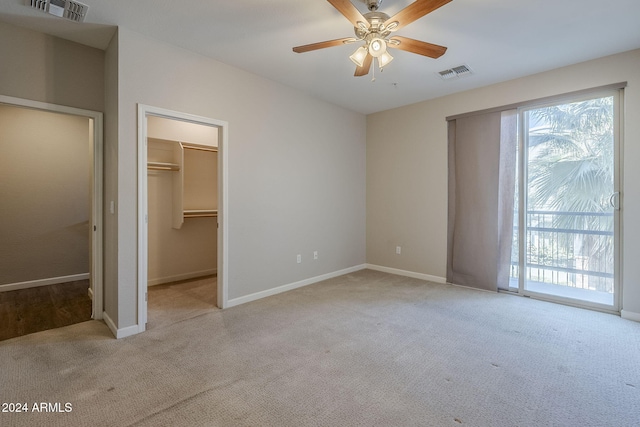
182, 197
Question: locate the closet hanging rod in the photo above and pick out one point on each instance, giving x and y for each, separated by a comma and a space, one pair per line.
199, 147
200, 213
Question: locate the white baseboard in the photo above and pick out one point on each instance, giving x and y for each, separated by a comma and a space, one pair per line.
630, 315
43, 282
178, 277
284, 288
421, 276
625, 314
406, 273
120, 333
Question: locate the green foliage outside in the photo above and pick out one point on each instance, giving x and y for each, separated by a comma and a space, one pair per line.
570, 169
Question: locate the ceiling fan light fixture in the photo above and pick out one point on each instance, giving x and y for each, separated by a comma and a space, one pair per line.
384, 59
375, 32
377, 47
359, 55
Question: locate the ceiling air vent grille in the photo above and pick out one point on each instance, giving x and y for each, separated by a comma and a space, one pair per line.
38, 4
452, 73
68, 9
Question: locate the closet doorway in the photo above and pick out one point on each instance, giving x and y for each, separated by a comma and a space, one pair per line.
51, 224
182, 194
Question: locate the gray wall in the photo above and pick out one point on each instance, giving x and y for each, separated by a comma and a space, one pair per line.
110, 223
407, 180
296, 170
43, 68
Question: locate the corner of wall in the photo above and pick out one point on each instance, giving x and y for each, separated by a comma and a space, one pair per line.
110, 220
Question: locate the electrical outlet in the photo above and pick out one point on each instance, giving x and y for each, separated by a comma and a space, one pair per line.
398, 250
299, 258
315, 254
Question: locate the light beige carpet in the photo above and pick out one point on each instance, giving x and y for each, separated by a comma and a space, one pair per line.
178, 301
363, 349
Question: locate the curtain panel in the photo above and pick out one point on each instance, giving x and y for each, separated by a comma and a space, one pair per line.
482, 170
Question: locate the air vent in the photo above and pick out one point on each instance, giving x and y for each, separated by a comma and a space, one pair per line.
452, 73
39, 4
67, 9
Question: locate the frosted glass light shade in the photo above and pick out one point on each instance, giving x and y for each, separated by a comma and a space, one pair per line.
359, 55
384, 59
377, 47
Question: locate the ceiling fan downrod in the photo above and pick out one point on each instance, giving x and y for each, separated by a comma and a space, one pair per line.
373, 5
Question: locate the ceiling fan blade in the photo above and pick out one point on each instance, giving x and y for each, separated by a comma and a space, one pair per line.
366, 66
414, 11
322, 45
350, 12
417, 46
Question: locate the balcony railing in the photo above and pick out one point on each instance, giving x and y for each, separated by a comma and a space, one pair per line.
573, 249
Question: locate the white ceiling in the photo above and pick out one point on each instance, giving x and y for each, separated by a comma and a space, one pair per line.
498, 39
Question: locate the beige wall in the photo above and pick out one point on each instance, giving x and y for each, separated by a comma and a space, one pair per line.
43, 68
296, 170
44, 188
407, 167
176, 254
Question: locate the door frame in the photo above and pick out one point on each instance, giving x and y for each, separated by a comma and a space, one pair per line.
223, 205
618, 96
97, 177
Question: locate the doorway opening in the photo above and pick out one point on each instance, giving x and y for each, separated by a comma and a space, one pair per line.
182, 236
52, 216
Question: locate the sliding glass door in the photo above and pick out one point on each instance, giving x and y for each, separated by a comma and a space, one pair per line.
566, 209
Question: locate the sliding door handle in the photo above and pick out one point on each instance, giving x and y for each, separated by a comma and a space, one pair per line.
614, 200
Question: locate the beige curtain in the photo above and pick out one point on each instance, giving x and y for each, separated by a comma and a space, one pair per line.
482, 156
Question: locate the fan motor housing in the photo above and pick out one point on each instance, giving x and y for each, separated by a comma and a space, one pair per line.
375, 19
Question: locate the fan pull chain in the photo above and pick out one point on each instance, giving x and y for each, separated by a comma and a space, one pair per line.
373, 79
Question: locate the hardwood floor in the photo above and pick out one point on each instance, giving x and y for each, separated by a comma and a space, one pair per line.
26, 311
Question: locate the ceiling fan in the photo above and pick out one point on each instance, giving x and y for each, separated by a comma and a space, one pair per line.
375, 30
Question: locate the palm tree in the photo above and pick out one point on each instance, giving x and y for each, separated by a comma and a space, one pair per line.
570, 171
571, 156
